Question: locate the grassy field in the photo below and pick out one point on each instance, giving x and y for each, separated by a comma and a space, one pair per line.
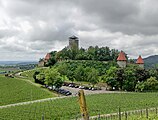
68, 108
29, 73
15, 90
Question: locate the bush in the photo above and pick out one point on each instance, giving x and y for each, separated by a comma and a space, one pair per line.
150, 85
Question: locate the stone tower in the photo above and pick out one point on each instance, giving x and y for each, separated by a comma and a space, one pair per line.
140, 62
121, 60
73, 42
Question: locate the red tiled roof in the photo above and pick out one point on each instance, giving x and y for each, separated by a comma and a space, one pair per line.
121, 56
140, 60
48, 56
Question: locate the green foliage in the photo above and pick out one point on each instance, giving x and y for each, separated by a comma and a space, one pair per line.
52, 60
30, 74
85, 70
111, 78
39, 75
80, 74
130, 80
14, 90
92, 53
150, 85
126, 78
153, 73
53, 78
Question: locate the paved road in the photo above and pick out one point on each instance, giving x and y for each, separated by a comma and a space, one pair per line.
75, 91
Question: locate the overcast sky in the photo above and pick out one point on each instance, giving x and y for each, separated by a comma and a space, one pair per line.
31, 28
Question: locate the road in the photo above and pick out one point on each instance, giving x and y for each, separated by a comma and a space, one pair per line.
87, 92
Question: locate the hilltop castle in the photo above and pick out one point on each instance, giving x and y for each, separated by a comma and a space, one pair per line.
74, 44
122, 60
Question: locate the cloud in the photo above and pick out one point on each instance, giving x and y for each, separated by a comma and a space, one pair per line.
31, 28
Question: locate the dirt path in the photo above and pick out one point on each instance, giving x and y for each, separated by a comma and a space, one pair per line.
30, 102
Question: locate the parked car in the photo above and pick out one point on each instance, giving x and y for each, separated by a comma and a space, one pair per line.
76, 86
86, 88
50, 87
81, 87
64, 92
71, 85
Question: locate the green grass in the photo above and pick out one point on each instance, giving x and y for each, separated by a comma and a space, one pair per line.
68, 108
29, 73
15, 90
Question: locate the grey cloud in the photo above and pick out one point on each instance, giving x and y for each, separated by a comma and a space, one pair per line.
39, 26
129, 17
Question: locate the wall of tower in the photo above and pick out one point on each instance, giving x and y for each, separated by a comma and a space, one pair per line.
141, 65
73, 43
122, 64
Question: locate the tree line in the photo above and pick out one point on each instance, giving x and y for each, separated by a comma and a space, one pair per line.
131, 78
91, 53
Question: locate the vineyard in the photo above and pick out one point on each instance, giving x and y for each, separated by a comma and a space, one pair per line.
14, 90
68, 108
29, 73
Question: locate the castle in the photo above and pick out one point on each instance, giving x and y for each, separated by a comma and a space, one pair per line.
122, 60
74, 44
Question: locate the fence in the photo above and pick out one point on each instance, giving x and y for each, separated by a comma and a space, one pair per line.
148, 113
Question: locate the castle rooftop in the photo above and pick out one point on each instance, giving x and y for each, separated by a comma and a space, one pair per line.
140, 60
121, 56
73, 37
48, 56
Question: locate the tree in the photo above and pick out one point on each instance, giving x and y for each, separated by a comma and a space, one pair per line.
153, 73
120, 77
40, 77
141, 74
111, 78
63, 69
150, 84
53, 78
130, 79
92, 76
34, 76
79, 73
70, 75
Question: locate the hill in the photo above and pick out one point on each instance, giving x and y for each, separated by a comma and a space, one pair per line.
151, 61
15, 90
7, 63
